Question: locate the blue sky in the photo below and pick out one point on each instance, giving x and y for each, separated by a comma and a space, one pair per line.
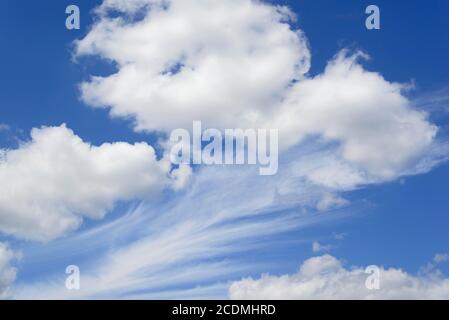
401, 223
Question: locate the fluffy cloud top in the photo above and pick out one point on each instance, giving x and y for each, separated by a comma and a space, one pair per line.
7, 272
50, 183
378, 130
325, 278
219, 61
239, 63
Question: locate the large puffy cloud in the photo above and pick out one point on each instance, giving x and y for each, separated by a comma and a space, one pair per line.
325, 278
239, 63
7, 271
222, 62
51, 182
370, 117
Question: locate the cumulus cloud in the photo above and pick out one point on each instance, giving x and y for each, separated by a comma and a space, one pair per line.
51, 182
240, 64
377, 129
7, 271
219, 61
326, 278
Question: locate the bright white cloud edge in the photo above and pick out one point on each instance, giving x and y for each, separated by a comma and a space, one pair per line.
326, 278
50, 183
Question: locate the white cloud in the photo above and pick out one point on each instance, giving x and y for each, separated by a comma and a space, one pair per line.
51, 182
7, 271
222, 62
379, 133
325, 278
239, 63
